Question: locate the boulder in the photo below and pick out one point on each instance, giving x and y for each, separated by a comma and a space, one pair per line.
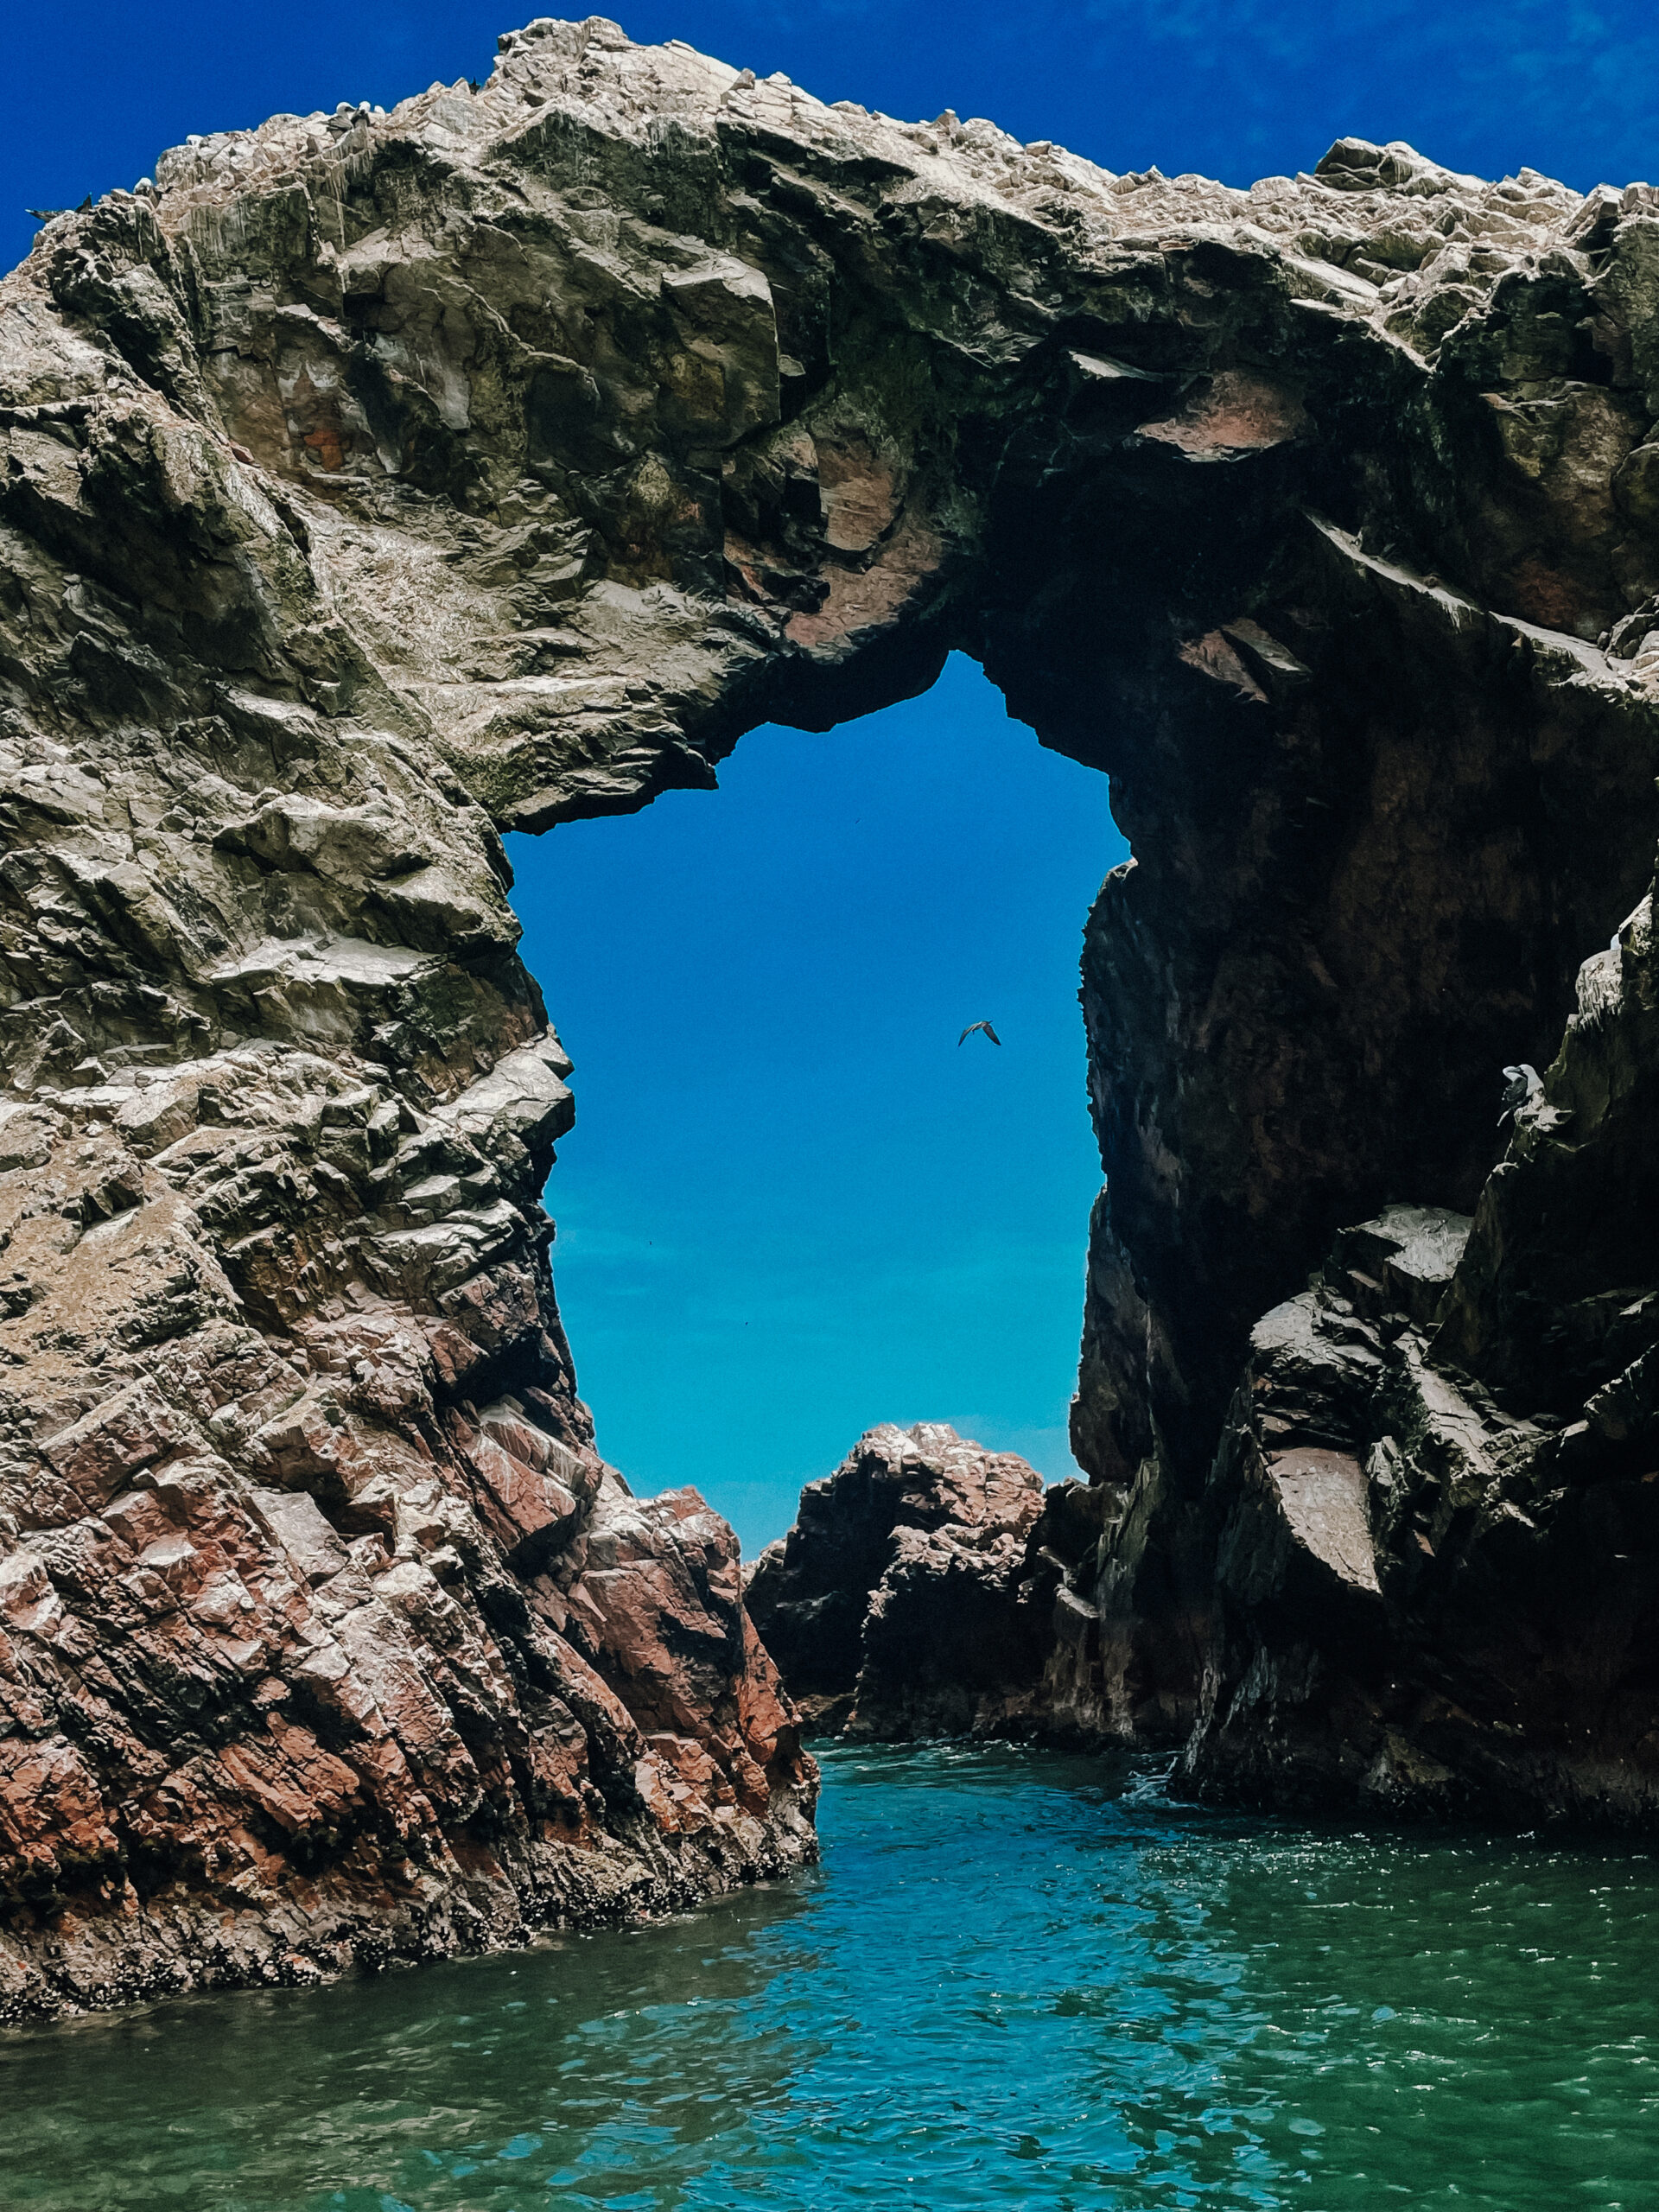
903, 1602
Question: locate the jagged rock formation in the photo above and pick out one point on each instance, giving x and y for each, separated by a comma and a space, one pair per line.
1439, 1485
373, 483
913, 1597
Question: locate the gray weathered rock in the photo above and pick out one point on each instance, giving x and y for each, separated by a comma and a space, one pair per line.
1429, 1601
375, 483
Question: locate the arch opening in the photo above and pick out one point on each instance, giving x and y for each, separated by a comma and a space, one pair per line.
792, 1206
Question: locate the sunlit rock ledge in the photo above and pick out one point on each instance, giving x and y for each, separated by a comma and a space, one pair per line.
374, 483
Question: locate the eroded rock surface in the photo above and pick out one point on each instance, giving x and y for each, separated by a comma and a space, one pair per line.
908, 1599
1429, 1599
373, 483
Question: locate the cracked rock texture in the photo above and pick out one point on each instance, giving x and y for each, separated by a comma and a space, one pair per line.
373, 483
910, 1599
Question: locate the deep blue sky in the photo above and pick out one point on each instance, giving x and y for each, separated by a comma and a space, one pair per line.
792, 1207
793, 1204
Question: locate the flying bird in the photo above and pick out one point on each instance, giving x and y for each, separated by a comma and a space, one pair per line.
970, 1030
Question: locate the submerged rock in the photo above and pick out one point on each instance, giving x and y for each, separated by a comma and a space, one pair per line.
373, 483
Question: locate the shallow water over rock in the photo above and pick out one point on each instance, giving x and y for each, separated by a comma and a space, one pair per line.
1017, 1981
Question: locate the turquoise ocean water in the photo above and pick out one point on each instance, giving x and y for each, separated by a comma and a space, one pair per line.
1017, 1981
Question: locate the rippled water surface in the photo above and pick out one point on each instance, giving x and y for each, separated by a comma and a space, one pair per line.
1017, 1981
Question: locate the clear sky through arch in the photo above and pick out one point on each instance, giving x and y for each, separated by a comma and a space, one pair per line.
793, 1204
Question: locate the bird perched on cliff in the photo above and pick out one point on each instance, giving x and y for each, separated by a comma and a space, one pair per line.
970, 1030
1519, 1084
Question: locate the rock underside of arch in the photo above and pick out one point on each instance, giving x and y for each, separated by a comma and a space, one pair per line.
375, 483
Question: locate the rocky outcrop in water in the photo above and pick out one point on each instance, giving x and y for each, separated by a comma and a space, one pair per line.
914, 1597
373, 483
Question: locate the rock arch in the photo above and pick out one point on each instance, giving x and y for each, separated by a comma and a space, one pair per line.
376, 483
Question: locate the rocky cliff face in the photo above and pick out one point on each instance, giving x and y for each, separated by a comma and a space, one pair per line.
1436, 1500
373, 483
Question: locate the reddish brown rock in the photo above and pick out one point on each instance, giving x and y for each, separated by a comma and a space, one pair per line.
306, 1657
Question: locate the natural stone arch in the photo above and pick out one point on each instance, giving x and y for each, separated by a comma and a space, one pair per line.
375, 484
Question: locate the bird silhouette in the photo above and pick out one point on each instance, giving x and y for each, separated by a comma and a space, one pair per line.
970, 1030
